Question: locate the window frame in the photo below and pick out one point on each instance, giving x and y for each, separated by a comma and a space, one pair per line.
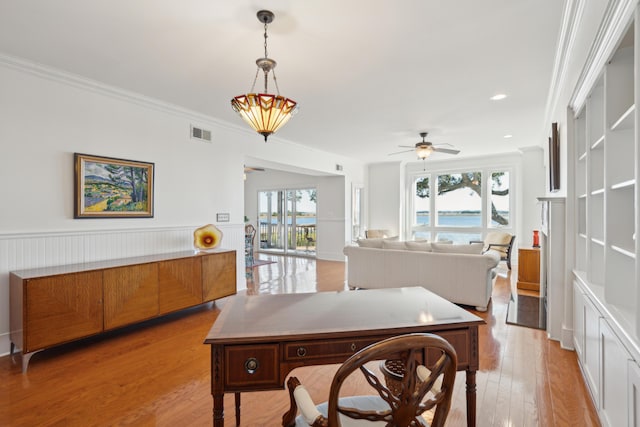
486, 172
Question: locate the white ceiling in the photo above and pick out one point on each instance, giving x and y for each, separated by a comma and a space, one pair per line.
368, 74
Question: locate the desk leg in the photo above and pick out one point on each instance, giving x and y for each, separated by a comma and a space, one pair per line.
237, 409
217, 385
471, 398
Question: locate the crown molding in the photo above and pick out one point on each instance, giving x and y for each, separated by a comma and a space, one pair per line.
80, 82
83, 83
571, 18
614, 22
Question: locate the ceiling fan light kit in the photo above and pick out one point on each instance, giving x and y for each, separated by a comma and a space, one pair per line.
423, 150
264, 112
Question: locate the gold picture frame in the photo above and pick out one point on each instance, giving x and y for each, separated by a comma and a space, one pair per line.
107, 187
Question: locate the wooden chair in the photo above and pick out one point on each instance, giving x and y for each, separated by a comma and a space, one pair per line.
501, 242
400, 400
249, 236
308, 239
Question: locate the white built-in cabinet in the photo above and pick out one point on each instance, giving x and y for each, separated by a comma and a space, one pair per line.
606, 266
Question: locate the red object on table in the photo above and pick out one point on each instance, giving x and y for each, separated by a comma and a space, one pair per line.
536, 239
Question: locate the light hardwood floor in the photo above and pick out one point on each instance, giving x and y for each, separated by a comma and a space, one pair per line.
158, 373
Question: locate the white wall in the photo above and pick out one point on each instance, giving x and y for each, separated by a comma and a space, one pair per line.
384, 197
532, 176
48, 115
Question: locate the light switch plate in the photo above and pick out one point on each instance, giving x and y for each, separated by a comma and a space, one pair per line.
222, 217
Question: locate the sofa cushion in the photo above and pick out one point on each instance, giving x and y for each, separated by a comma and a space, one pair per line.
370, 243
418, 246
472, 248
393, 244
375, 243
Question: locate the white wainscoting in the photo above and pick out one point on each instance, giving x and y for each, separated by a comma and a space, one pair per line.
45, 249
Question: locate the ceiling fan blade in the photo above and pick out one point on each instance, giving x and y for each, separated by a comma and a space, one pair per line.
253, 169
446, 150
406, 146
399, 152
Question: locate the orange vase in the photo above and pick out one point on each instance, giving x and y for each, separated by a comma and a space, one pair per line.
536, 239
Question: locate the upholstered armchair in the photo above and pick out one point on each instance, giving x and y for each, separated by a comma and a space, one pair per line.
376, 234
500, 242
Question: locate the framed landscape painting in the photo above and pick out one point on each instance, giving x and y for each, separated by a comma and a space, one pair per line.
106, 187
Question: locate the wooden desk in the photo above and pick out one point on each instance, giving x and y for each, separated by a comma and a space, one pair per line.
257, 340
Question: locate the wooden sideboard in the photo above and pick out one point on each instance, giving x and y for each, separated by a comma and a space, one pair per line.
54, 305
529, 269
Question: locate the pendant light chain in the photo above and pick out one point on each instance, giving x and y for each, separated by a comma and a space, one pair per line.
266, 55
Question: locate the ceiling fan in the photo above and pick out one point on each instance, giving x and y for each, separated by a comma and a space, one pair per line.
424, 148
248, 169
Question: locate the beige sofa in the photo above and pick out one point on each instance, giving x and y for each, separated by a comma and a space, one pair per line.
462, 278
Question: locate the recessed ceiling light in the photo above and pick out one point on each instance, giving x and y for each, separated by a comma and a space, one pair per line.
498, 97
508, 136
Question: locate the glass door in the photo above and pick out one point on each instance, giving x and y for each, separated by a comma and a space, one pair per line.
287, 221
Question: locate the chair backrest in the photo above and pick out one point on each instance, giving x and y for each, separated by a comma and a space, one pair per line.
499, 241
250, 232
374, 234
416, 392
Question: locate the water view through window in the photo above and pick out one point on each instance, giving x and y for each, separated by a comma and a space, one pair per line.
458, 203
287, 220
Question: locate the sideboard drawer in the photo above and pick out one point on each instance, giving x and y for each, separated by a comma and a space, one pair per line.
304, 350
251, 365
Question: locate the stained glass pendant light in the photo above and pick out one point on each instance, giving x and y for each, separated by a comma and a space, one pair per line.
264, 112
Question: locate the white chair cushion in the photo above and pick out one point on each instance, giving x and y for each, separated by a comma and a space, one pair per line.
367, 403
498, 238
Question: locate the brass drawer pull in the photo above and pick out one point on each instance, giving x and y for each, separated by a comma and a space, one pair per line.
353, 346
301, 352
251, 365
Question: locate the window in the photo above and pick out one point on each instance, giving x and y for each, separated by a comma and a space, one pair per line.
465, 205
499, 199
422, 212
459, 199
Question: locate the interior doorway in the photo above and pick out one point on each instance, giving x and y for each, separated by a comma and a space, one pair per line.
287, 221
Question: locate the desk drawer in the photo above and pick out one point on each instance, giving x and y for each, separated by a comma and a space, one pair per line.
460, 342
251, 365
304, 350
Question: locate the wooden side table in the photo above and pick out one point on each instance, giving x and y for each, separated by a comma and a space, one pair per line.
529, 269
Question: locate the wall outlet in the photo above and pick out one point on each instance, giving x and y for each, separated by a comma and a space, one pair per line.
222, 217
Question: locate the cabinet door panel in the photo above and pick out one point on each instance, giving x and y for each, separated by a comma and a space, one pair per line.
218, 275
591, 351
180, 284
634, 394
62, 308
130, 294
578, 321
614, 375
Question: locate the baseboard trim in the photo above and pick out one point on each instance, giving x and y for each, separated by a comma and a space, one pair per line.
5, 344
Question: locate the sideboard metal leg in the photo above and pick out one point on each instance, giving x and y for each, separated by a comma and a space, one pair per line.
26, 357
